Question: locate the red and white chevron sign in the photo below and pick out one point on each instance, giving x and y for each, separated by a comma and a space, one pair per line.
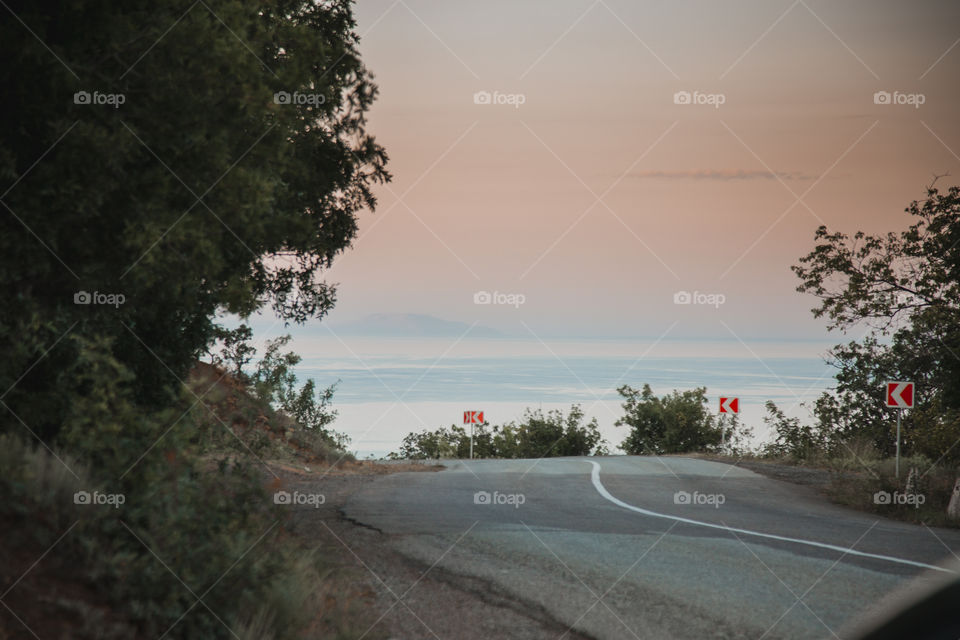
729, 405
900, 395
473, 417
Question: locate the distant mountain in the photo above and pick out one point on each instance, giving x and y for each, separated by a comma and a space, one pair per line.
403, 325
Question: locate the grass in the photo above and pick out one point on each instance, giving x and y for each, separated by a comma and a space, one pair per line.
924, 503
857, 476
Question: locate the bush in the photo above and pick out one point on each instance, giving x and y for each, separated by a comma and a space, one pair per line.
539, 435
552, 434
793, 439
675, 423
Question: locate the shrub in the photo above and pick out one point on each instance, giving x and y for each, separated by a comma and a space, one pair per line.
538, 435
675, 423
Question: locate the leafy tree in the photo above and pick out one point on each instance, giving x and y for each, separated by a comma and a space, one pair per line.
505, 440
675, 423
274, 380
200, 193
236, 352
310, 408
906, 288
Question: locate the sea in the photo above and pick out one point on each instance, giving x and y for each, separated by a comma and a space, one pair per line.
389, 387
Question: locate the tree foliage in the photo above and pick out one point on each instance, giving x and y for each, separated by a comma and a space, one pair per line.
199, 193
905, 287
676, 423
274, 382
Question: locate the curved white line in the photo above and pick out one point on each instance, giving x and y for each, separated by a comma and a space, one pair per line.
595, 477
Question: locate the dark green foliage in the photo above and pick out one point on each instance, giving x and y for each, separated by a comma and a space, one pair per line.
236, 351
199, 194
675, 423
543, 435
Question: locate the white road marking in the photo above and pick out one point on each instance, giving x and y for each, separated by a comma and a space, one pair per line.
595, 477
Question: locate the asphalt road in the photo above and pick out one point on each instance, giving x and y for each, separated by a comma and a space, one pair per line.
608, 547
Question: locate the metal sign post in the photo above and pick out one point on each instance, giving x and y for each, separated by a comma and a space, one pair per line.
899, 411
727, 405
899, 396
472, 418
471, 439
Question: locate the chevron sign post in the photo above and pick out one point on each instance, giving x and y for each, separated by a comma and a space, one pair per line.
728, 405
899, 397
472, 418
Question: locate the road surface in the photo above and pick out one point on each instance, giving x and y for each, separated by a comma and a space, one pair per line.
653, 547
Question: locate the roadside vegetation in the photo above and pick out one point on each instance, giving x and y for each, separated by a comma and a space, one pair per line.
193, 520
538, 435
157, 179
904, 290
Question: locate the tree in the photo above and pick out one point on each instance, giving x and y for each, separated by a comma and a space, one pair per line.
274, 380
906, 288
204, 191
675, 423
152, 177
236, 351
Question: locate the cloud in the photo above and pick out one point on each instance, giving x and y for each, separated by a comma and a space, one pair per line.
722, 174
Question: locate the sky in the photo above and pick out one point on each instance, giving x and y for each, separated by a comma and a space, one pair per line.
587, 190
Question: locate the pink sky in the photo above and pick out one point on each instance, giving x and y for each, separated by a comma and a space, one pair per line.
598, 198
